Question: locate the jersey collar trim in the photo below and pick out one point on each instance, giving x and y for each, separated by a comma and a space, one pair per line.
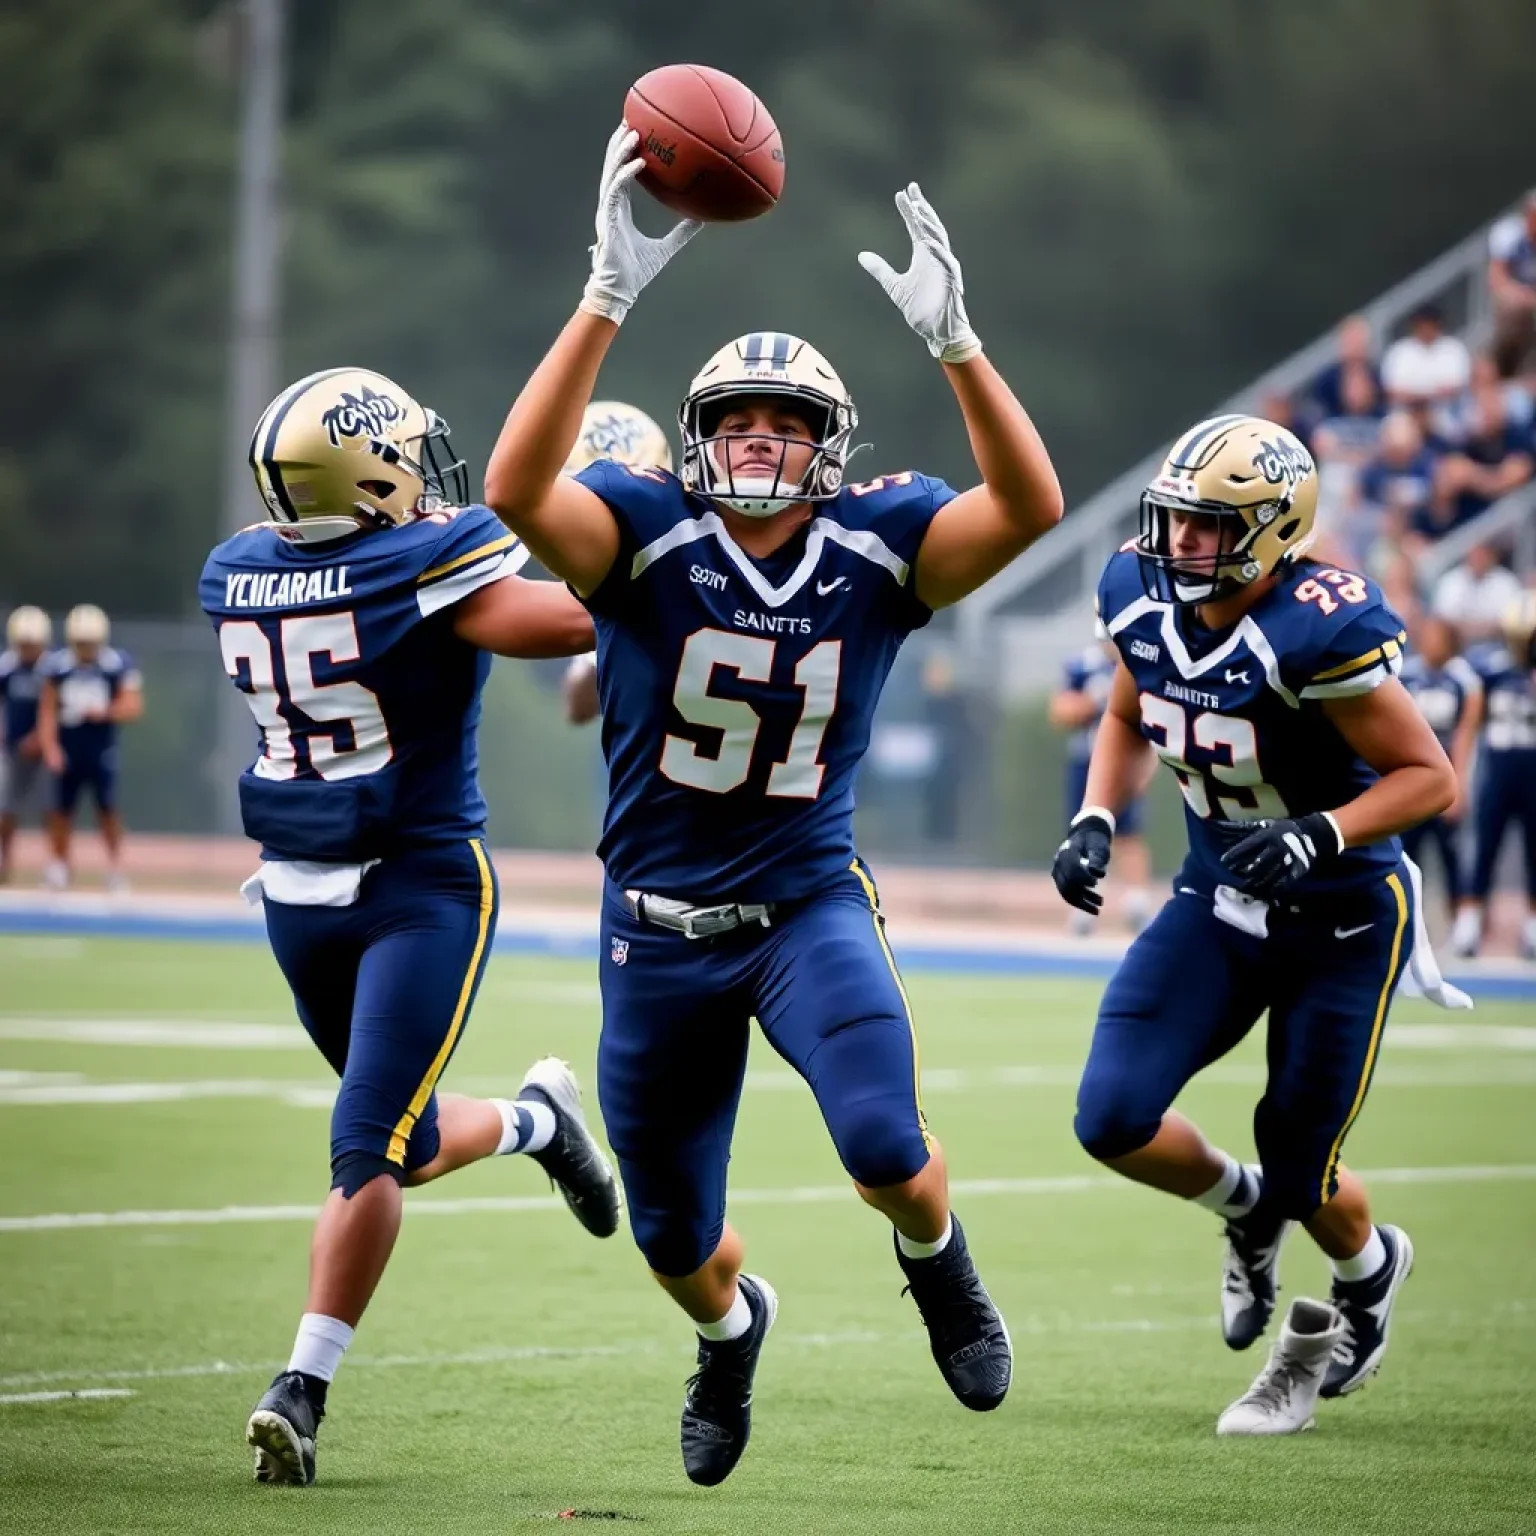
858, 541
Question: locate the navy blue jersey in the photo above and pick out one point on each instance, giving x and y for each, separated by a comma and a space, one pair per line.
366, 700
87, 689
1237, 714
1442, 693
21, 683
1091, 671
1509, 722
737, 693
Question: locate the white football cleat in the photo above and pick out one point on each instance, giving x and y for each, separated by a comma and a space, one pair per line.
56, 875
1284, 1393
1467, 932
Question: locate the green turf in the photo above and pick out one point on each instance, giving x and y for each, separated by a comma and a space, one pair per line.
512, 1367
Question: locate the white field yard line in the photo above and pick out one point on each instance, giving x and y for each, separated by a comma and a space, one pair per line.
85, 1394
1518, 1313
1066, 1184
20, 1089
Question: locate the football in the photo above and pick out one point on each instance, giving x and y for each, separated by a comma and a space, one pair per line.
711, 149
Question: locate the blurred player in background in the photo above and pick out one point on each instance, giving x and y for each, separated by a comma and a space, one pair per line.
1077, 708
1267, 683
90, 688
625, 435
1506, 774
1449, 694
357, 622
749, 611
23, 773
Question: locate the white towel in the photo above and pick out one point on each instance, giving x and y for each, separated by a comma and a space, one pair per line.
1421, 976
301, 883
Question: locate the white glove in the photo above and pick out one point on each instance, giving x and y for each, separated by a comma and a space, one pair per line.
930, 293
624, 260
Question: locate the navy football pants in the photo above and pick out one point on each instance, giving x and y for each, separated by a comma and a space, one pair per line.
385, 987
1192, 986
1506, 792
676, 1014
94, 770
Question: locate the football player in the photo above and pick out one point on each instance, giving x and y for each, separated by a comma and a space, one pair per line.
357, 622
1267, 683
1506, 777
90, 688
1076, 707
609, 430
748, 610
28, 634
1449, 694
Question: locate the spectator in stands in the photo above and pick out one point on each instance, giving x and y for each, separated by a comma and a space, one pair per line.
1475, 595
1455, 420
1427, 365
1491, 460
1512, 287
1077, 708
23, 774
1356, 362
1392, 487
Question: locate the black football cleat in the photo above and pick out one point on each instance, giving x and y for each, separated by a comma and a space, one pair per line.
573, 1160
966, 1331
1366, 1306
282, 1429
1250, 1275
717, 1412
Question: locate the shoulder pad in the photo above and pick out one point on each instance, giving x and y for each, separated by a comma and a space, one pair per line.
474, 549
646, 501
1333, 632
1120, 585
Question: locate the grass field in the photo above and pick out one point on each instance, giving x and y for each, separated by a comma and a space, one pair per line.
513, 1368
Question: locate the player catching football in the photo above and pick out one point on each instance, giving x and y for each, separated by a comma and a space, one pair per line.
748, 610
1267, 682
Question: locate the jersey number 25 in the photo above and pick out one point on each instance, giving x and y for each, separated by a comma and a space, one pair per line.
305, 724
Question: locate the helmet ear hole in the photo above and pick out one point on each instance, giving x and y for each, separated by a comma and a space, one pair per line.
380, 489
1287, 531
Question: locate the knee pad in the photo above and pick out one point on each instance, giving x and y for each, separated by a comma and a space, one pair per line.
351, 1170
1110, 1127
671, 1247
881, 1142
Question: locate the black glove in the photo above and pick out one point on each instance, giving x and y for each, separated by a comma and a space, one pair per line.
1082, 861
1268, 856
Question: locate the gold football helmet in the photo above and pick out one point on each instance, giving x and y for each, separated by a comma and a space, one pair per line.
1257, 478
347, 449
766, 363
86, 624
30, 627
1520, 629
612, 430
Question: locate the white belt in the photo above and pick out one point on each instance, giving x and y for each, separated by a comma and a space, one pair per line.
696, 922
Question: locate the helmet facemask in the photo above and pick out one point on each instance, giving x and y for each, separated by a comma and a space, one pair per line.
1187, 581
706, 464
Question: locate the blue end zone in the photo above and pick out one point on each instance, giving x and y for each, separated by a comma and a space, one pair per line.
1516, 984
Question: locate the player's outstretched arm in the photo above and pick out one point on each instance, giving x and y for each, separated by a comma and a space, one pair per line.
567, 526
1117, 772
1464, 748
518, 617
974, 536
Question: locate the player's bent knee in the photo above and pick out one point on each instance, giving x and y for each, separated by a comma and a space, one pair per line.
673, 1249
350, 1171
882, 1145
1108, 1128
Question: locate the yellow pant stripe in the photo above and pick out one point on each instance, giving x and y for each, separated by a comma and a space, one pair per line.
407, 1122
1381, 1016
906, 1002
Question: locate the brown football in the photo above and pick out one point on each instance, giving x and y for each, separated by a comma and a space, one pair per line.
711, 149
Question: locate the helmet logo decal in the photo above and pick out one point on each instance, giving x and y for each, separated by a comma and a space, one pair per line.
1282, 462
369, 414
616, 435
767, 351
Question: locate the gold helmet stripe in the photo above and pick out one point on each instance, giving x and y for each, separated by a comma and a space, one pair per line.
271, 424
1200, 440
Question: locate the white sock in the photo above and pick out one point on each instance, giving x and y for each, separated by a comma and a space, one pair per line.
732, 1325
1235, 1193
916, 1250
1366, 1263
526, 1126
319, 1346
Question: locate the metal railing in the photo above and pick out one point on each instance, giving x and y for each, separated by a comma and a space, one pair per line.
1510, 521
1034, 613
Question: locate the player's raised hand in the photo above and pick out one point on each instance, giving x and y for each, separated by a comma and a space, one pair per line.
623, 259
1083, 860
931, 293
